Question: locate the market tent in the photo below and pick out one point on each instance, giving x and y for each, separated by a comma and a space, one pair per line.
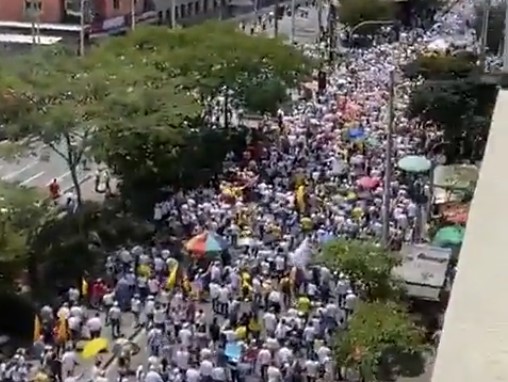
449, 236
455, 176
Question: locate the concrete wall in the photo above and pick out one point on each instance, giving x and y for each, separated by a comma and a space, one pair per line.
474, 342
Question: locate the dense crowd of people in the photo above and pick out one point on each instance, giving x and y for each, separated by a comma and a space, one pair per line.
242, 301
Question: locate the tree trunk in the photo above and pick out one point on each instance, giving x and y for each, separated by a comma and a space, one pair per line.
77, 185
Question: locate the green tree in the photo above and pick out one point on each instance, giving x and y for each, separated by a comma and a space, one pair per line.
21, 212
441, 67
209, 65
378, 334
52, 95
354, 12
461, 109
368, 265
495, 32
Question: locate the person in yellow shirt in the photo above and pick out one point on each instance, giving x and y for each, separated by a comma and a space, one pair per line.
285, 288
303, 304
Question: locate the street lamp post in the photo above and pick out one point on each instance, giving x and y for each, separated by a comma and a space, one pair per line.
82, 28
388, 163
484, 32
133, 14
332, 23
293, 21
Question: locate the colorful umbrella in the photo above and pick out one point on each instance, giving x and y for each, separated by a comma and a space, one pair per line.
356, 133
94, 347
414, 163
368, 182
206, 242
449, 236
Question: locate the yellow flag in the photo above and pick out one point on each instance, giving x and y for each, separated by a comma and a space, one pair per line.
84, 287
37, 328
61, 330
300, 198
186, 285
171, 281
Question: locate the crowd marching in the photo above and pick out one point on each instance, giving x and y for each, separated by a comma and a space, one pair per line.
241, 301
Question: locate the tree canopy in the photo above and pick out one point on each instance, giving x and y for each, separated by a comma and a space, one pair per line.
441, 67
375, 331
20, 213
366, 264
451, 98
140, 102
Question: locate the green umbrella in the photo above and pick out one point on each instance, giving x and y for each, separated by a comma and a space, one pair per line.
451, 235
414, 163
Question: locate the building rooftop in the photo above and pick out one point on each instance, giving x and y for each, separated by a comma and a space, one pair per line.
474, 342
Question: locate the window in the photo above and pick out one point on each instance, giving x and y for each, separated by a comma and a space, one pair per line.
182, 11
33, 7
189, 9
205, 6
116, 4
196, 8
215, 4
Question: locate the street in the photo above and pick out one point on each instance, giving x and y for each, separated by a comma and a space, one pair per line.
38, 167
306, 25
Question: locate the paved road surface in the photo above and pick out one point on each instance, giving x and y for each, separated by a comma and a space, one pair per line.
306, 25
35, 170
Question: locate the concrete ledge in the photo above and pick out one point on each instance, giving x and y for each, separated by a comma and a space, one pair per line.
474, 341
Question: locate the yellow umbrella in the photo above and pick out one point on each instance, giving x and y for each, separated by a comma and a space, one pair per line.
94, 347
241, 333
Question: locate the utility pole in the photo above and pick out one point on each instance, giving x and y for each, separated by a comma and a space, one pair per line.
293, 21
332, 39
173, 14
133, 14
276, 21
320, 17
82, 28
388, 163
484, 32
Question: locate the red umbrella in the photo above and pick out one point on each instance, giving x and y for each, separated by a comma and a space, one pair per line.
368, 182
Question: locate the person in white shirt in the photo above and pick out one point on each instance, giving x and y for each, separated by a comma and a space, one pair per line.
115, 315
311, 370
69, 363
219, 374
136, 309
214, 295
192, 375
182, 358
153, 375
263, 361
185, 335
205, 369
270, 322
274, 374
94, 325
224, 300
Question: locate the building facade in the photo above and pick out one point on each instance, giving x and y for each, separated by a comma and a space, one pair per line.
110, 14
